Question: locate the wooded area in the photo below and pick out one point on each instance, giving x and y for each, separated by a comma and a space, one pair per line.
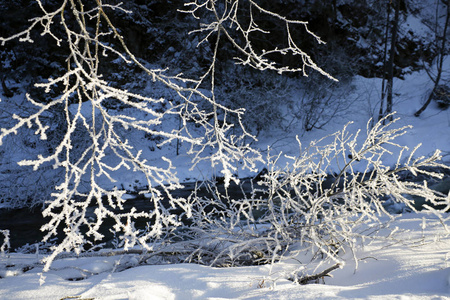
98, 91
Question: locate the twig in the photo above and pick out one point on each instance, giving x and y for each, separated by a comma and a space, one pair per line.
308, 278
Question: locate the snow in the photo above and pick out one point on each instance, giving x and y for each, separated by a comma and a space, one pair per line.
413, 264
431, 129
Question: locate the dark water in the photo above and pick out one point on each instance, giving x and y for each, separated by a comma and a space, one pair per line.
24, 224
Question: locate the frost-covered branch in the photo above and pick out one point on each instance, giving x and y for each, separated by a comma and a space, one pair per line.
320, 201
237, 20
323, 199
94, 147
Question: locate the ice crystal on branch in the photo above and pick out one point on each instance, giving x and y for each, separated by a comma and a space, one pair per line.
237, 20
321, 201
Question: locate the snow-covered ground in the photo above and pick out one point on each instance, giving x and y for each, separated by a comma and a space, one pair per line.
412, 264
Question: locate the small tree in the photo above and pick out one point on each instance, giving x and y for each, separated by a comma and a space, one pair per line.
442, 52
81, 202
389, 64
326, 200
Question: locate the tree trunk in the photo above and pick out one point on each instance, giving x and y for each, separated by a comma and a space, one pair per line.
440, 61
390, 84
383, 83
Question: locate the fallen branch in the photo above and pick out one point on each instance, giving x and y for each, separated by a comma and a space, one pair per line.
308, 278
